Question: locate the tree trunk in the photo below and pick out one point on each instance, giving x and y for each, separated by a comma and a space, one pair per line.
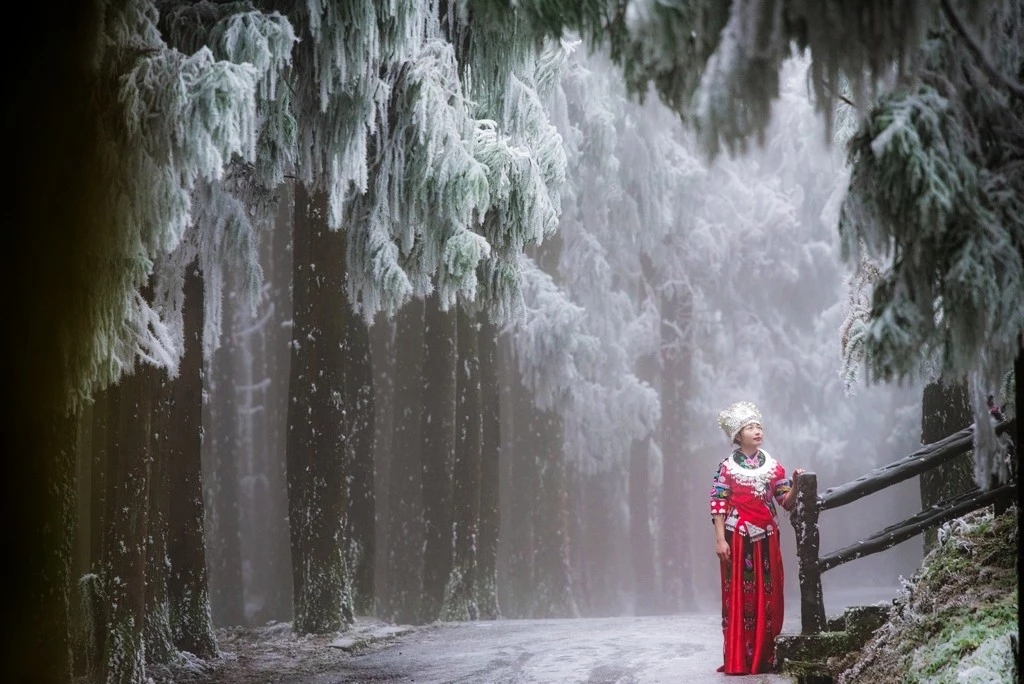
362, 515
603, 556
82, 557
299, 433
86, 638
437, 425
522, 475
39, 643
220, 489
460, 593
641, 539
593, 551
105, 446
945, 409
317, 468
553, 595
405, 495
676, 564
277, 260
382, 353
157, 634
187, 583
124, 581
104, 417
249, 389
1018, 406
490, 472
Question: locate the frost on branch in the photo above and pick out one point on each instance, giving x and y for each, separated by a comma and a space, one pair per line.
339, 93
733, 51
238, 33
175, 120
526, 165
426, 191
548, 337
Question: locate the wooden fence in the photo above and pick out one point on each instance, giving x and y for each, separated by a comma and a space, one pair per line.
809, 505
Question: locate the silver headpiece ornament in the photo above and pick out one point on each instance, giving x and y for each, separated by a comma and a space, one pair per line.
736, 417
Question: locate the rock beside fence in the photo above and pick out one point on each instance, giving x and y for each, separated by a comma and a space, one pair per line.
807, 656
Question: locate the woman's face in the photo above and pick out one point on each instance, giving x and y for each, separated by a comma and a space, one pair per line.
750, 436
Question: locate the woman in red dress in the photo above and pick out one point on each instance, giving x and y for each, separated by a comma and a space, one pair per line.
746, 488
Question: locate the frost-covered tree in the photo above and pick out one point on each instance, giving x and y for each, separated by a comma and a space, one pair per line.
318, 451
188, 588
545, 341
159, 123
689, 260
948, 78
608, 407
383, 126
935, 195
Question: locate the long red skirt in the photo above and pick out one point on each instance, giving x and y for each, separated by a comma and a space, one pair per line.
752, 604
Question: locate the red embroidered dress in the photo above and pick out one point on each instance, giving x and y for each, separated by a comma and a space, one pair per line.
746, 490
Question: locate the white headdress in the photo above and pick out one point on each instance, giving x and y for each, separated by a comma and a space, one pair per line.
736, 417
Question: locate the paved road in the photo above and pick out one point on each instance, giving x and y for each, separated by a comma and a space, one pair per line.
642, 650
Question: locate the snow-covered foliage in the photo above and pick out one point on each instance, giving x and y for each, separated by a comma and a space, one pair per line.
935, 199
761, 218
548, 339
427, 190
238, 33
233, 210
615, 210
436, 186
933, 187
175, 121
720, 62
441, 171
526, 163
643, 215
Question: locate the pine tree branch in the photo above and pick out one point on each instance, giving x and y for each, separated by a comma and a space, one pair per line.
975, 49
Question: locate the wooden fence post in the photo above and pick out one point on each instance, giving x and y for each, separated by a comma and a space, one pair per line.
805, 523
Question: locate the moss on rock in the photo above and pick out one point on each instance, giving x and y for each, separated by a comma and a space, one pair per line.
956, 619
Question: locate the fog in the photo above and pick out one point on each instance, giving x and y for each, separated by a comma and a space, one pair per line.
674, 285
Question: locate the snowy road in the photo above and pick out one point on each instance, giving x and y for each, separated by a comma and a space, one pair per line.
642, 650
627, 650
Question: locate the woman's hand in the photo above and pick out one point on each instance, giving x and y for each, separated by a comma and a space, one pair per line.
722, 550
790, 499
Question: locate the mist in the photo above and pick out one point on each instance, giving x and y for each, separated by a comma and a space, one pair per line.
674, 285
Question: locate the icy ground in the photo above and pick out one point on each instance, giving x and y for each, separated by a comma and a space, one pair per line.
626, 650
623, 650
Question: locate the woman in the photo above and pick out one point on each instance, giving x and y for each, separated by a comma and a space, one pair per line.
746, 488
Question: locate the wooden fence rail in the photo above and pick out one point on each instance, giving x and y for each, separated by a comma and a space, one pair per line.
809, 505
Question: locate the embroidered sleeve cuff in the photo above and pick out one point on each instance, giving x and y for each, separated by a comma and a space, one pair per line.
719, 507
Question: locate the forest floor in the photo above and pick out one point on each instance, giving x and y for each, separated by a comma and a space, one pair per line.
955, 620
273, 653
